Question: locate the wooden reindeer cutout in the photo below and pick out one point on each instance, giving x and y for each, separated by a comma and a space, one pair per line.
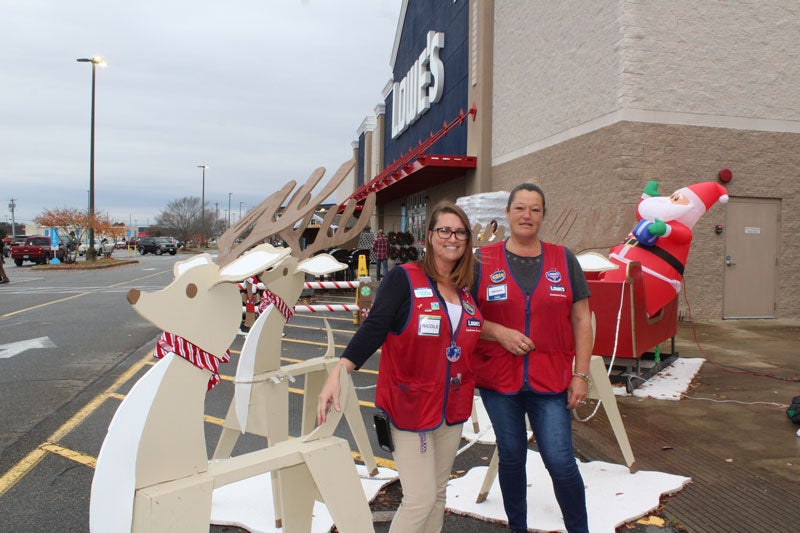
261, 399
152, 472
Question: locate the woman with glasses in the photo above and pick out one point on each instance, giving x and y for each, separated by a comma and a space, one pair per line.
534, 298
427, 325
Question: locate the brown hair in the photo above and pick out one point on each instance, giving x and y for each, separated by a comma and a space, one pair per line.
464, 270
530, 187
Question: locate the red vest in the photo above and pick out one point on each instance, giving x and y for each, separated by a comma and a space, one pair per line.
418, 386
544, 317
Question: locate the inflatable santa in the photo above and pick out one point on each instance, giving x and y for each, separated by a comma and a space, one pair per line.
661, 239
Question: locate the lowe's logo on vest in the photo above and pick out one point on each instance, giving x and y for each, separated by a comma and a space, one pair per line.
422, 86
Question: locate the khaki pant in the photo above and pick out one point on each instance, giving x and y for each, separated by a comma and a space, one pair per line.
423, 476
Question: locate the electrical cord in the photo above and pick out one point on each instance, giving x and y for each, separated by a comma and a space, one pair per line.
731, 369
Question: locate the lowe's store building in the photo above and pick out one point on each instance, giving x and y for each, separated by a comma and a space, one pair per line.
590, 100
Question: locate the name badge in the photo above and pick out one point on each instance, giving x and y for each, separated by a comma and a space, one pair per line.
496, 293
429, 325
424, 292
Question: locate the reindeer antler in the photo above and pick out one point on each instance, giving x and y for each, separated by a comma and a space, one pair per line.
324, 241
264, 220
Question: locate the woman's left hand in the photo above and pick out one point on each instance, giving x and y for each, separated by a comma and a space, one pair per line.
577, 393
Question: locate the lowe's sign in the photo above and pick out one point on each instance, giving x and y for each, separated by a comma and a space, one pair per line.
422, 86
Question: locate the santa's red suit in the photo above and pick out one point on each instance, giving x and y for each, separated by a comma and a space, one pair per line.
661, 239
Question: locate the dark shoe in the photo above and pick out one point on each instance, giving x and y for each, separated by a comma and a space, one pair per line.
5, 281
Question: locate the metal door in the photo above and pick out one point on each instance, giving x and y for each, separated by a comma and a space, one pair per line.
751, 246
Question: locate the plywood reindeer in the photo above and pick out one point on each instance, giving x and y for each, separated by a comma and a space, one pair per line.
152, 471
261, 400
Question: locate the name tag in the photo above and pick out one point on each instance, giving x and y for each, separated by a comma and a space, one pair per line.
425, 292
496, 293
429, 326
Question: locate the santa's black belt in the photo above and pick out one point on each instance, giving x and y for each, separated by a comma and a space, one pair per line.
658, 252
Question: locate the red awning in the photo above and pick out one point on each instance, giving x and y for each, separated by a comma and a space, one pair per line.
424, 172
416, 171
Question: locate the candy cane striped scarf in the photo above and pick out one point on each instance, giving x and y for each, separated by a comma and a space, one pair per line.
269, 297
170, 343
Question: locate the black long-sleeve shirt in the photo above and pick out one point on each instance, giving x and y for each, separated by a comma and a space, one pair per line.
389, 314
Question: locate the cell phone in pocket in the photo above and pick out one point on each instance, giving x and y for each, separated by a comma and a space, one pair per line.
382, 427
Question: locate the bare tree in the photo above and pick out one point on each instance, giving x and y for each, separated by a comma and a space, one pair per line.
181, 217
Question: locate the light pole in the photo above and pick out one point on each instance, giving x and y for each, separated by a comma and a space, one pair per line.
240, 210
203, 207
229, 209
90, 253
12, 205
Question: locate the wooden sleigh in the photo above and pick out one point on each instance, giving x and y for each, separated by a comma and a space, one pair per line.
624, 330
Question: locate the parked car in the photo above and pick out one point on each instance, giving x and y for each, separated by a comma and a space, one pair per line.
156, 245
102, 246
36, 249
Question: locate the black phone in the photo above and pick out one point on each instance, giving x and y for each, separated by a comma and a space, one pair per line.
382, 427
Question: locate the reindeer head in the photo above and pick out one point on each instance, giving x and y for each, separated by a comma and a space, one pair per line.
203, 304
285, 278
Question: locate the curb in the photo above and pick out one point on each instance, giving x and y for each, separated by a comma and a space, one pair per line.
86, 266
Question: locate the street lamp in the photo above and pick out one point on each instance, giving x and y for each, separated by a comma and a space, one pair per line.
203, 207
240, 210
90, 253
229, 209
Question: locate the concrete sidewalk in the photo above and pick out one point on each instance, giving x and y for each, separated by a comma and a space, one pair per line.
729, 433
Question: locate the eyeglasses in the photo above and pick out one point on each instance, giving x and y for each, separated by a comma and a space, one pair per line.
444, 233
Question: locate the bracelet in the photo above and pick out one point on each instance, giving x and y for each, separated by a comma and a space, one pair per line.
584, 377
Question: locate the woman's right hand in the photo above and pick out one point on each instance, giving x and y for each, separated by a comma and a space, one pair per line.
329, 395
510, 339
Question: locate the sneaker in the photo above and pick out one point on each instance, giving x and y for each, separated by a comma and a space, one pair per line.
5, 281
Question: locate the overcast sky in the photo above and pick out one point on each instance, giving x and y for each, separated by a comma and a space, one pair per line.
261, 91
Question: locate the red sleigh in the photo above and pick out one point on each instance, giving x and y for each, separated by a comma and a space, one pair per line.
624, 331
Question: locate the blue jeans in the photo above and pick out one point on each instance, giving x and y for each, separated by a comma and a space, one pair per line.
551, 422
381, 262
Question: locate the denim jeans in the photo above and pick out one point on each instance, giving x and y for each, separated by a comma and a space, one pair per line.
551, 422
381, 262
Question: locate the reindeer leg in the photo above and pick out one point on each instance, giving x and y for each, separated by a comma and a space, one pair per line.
313, 386
297, 495
230, 434
352, 413
337, 481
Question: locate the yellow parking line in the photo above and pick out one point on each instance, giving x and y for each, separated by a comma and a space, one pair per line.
72, 455
314, 343
19, 470
74, 296
29, 462
44, 304
317, 328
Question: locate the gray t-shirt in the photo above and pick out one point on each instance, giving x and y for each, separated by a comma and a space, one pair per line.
526, 271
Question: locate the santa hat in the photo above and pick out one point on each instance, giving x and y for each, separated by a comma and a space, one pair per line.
701, 197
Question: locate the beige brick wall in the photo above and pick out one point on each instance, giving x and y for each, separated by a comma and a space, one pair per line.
556, 66
733, 58
605, 171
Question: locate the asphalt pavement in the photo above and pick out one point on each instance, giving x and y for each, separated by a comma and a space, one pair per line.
56, 401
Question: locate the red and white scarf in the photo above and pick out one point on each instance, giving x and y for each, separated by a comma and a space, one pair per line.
170, 343
269, 297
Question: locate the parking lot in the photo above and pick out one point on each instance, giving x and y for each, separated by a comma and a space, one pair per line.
46, 467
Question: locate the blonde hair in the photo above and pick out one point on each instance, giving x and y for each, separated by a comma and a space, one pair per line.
462, 274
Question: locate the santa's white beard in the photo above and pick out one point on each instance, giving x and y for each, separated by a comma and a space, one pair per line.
662, 208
